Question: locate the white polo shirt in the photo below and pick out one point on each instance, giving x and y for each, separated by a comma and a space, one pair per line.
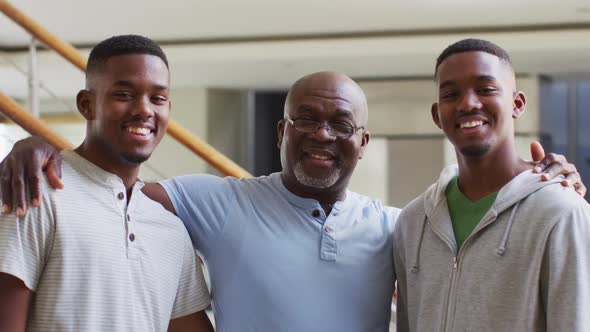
98, 264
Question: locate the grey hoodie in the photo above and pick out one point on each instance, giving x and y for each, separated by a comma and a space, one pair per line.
525, 267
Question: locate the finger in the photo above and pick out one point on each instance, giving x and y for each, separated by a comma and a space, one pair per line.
556, 169
551, 159
580, 189
537, 151
6, 188
571, 180
53, 170
33, 178
18, 189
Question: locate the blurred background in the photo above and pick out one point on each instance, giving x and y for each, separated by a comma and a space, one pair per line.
232, 62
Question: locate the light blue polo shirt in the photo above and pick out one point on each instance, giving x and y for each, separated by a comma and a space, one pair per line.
278, 263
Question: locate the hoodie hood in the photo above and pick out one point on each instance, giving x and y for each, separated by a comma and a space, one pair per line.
437, 212
518, 188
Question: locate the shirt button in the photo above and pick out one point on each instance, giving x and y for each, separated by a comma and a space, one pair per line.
328, 229
131, 237
128, 218
120, 195
315, 213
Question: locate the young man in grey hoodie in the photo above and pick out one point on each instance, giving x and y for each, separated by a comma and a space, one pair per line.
490, 247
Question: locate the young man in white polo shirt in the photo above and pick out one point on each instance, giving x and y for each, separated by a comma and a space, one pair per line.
99, 255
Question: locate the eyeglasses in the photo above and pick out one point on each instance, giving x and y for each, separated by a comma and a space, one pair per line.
337, 129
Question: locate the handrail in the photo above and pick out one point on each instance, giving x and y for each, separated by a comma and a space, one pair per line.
18, 114
74, 56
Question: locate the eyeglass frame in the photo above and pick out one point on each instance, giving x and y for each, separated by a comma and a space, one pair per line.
320, 125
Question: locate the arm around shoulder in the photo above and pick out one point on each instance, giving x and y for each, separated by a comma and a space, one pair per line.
156, 192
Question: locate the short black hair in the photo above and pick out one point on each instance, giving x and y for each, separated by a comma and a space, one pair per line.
473, 45
122, 45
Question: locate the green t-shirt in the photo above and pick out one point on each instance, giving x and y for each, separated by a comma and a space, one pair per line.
465, 214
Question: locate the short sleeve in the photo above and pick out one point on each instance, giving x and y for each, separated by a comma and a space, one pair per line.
25, 243
192, 294
202, 202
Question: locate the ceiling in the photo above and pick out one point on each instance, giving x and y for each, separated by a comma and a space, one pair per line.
268, 44
87, 22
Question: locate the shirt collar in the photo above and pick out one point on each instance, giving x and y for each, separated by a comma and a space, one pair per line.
307, 203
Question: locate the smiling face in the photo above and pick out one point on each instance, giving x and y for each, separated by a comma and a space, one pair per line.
477, 103
127, 106
317, 162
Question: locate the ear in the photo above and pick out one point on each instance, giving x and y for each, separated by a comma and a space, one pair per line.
364, 143
434, 113
85, 104
518, 105
280, 132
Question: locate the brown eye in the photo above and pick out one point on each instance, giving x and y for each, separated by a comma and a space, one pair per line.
448, 95
306, 125
122, 95
159, 100
488, 90
342, 128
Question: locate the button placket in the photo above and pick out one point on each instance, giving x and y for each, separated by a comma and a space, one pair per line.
329, 247
132, 237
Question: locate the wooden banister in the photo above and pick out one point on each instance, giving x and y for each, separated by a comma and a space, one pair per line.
74, 56
63, 48
18, 114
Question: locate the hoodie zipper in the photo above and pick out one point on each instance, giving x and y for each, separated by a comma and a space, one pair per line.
451, 296
448, 322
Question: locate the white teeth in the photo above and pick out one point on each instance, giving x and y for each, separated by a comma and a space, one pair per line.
320, 157
471, 124
139, 130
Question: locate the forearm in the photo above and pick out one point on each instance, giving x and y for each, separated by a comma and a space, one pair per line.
157, 193
197, 322
15, 299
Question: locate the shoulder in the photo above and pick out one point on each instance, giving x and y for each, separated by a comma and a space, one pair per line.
198, 180
557, 209
415, 207
556, 200
389, 214
411, 216
70, 178
214, 184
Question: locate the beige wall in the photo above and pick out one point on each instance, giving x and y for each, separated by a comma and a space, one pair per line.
225, 123
372, 171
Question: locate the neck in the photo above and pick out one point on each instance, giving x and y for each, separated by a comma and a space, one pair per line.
479, 177
127, 172
326, 197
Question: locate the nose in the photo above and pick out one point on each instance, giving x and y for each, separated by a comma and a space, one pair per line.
323, 133
143, 108
469, 102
